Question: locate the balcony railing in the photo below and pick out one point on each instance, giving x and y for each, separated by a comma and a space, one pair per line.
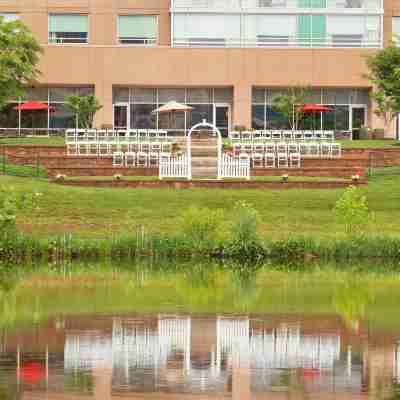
230, 5
295, 41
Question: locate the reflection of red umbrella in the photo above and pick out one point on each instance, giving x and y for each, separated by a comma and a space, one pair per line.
32, 372
310, 373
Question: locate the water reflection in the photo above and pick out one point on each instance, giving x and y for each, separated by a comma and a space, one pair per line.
180, 356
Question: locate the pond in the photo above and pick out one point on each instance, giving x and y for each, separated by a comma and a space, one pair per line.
199, 331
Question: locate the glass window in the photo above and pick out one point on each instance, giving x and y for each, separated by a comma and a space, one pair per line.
258, 116
9, 116
62, 117
120, 95
68, 28
174, 94
336, 96
396, 30
9, 17
36, 94
223, 95
137, 29
60, 94
200, 95
275, 120
337, 120
142, 116
258, 95
207, 29
200, 112
144, 95
311, 30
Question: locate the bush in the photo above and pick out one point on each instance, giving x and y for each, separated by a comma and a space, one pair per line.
202, 226
352, 211
244, 242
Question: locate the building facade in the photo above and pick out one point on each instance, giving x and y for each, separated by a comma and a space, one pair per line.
226, 58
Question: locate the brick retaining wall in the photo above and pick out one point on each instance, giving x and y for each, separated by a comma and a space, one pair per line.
211, 184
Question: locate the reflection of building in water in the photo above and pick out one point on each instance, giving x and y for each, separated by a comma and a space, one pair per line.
238, 356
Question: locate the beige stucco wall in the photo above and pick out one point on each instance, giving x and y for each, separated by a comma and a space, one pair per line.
104, 63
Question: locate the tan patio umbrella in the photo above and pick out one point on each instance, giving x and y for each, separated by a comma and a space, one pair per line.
171, 108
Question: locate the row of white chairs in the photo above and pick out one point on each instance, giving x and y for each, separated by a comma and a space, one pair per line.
108, 149
306, 149
138, 159
276, 160
279, 135
111, 135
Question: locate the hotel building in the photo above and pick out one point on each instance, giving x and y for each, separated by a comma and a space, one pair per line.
226, 58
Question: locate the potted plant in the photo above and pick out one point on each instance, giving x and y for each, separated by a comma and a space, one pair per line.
355, 178
118, 177
285, 177
60, 177
175, 148
227, 148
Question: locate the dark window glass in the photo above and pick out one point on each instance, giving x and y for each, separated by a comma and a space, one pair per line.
276, 120
258, 117
142, 116
34, 119
200, 112
62, 117
337, 120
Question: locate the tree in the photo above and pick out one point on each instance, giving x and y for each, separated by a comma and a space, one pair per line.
384, 73
84, 109
19, 55
289, 104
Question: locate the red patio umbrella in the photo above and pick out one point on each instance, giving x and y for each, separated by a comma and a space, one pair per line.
314, 109
34, 106
32, 372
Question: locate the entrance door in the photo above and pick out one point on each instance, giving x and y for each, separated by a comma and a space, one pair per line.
222, 118
121, 116
358, 117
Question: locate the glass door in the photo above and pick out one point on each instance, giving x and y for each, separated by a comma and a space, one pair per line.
358, 120
121, 116
222, 118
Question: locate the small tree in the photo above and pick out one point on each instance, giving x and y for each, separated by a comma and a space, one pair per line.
384, 73
352, 211
19, 55
289, 104
84, 108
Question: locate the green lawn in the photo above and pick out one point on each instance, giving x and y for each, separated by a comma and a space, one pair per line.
98, 212
48, 141
369, 144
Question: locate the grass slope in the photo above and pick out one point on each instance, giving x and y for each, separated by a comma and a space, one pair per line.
99, 212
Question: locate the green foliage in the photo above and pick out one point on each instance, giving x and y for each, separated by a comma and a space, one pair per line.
202, 226
244, 240
384, 73
84, 108
352, 211
19, 55
289, 104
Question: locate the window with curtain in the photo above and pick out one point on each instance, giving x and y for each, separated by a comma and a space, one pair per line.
137, 29
68, 28
207, 30
346, 30
269, 30
9, 17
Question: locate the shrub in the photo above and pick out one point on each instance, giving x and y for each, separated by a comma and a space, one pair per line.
352, 211
202, 226
244, 242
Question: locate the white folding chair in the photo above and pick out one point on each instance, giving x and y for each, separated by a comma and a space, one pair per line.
247, 136
258, 137
83, 149
132, 135
154, 159
308, 135
162, 135
336, 150
318, 135
267, 135
144, 147
93, 149
155, 147
329, 136
152, 134
292, 147
166, 147
258, 160
236, 148
287, 136
304, 149
133, 147
276, 135
270, 147
101, 136
246, 148
270, 160
326, 150
103, 150
283, 161
294, 160
70, 136
298, 136
281, 147
142, 134
91, 135
118, 159
234, 136
314, 150
142, 159
258, 148
130, 159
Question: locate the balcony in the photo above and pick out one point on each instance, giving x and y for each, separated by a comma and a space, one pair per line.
281, 41
270, 5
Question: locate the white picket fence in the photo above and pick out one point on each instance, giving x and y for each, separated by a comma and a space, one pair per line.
173, 166
235, 167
